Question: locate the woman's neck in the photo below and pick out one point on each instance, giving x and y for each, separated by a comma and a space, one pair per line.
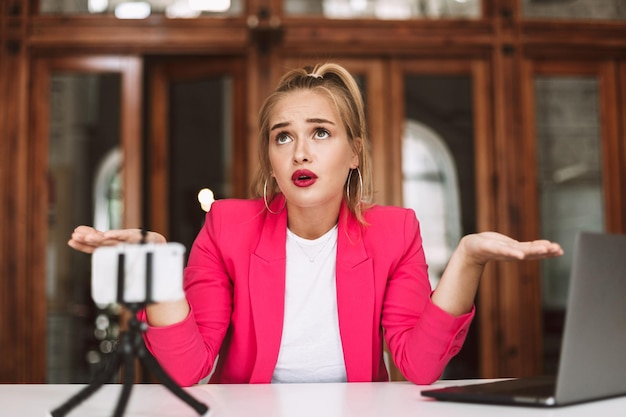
311, 223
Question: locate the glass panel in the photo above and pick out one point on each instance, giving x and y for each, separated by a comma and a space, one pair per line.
384, 9
570, 185
438, 176
200, 150
575, 9
140, 9
83, 158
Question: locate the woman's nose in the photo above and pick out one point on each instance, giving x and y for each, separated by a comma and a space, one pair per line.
301, 151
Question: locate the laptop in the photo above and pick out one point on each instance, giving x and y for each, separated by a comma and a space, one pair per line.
592, 363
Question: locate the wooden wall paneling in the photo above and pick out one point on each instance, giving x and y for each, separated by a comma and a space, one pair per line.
158, 127
510, 326
240, 168
526, 290
563, 39
509, 298
397, 114
488, 8
530, 274
614, 188
490, 319
387, 142
621, 111
264, 69
377, 38
87, 34
21, 289
254, 81
483, 137
131, 136
394, 113
38, 197
5, 311
486, 201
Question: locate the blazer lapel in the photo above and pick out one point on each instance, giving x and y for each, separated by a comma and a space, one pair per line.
267, 292
355, 299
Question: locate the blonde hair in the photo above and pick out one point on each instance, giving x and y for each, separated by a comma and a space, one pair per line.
336, 83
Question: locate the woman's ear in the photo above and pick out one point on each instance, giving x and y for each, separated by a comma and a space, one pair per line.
357, 148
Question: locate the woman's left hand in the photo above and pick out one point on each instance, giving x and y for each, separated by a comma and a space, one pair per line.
457, 288
491, 246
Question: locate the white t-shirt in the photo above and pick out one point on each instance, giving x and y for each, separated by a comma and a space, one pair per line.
310, 348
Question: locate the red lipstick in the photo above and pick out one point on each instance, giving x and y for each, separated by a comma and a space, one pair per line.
303, 178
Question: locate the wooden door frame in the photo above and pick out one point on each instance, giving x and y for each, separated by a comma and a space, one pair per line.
487, 196
160, 74
130, 70
621, 134
607, 74
33, 314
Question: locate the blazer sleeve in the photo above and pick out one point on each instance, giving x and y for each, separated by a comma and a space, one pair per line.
422, 338
188, 350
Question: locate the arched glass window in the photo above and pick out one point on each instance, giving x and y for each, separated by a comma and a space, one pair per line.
108, 204
430, 187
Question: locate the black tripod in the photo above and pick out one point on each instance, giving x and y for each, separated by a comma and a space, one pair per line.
131, 346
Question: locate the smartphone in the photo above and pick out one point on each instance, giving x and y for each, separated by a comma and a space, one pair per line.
163, 263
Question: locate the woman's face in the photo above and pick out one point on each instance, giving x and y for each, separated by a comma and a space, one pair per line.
309, 150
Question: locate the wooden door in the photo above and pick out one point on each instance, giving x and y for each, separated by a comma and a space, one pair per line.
197, 139
575, 161
84, 109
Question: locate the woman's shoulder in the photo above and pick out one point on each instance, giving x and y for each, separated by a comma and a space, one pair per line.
380, 214
389, 219
235, 209
389, 228
237, 204
234, 217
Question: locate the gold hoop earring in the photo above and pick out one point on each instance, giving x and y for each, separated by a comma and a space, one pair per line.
265, 200
358, 171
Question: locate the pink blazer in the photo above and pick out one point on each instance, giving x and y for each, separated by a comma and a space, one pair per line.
235, 285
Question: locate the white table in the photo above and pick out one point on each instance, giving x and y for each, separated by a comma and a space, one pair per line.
386, 399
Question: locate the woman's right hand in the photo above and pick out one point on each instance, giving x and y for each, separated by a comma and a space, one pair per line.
87, 239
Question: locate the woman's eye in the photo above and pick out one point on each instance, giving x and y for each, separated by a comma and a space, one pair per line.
321, 134
282, 138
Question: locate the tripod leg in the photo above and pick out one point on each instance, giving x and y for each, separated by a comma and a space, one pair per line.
129, 380
154, 366
83, 394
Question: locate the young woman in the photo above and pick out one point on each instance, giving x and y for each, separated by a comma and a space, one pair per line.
302, 283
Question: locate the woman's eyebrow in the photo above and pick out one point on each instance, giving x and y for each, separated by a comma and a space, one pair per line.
316, 120
312, 120
279, 125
